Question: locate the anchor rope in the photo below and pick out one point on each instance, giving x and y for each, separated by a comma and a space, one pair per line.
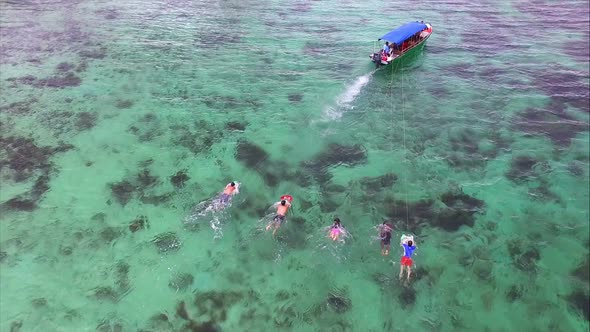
403, 124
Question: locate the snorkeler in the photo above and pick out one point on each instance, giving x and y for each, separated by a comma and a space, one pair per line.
385, 236
282, 207
229, 190
336, 230
409, 247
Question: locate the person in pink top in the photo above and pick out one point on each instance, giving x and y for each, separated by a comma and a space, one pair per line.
336, 230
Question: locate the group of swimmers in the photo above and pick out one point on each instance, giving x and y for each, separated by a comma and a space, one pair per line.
335, 232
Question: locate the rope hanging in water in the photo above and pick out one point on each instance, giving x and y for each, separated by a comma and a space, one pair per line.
398, 66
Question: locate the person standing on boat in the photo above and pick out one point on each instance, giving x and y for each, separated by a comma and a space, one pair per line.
393, 49
386, 48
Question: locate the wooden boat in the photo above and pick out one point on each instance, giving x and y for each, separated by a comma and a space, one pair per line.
408, 39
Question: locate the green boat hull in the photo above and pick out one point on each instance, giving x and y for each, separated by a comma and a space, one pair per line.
407, 57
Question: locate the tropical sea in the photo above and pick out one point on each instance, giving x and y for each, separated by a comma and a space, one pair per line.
121, 120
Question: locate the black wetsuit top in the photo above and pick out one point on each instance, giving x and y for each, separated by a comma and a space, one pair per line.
386, 238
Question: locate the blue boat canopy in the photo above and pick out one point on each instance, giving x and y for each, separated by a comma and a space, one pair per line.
404, 32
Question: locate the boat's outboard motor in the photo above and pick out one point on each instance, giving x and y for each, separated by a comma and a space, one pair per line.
377, 59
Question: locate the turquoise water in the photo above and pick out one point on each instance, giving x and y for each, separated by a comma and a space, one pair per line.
119, 118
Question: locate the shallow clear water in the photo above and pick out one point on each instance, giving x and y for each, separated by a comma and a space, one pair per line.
118, 118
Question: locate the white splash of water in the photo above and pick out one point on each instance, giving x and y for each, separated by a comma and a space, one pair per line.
347, 97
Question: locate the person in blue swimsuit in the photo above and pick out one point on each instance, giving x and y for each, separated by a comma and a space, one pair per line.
406, 261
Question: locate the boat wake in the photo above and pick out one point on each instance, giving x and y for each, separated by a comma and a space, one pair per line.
344, 101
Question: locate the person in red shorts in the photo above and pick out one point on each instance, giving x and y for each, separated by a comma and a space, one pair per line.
406, 261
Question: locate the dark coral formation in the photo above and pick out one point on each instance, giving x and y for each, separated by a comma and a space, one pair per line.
108, 13
465, 140
565, 87
543, 192
328, 205
338, 303
107, 325
39, 302
179, 178
105, 293
122, 277
466, 151
19, 107
109, 234
123, 103
67, 122
20, 204
159, 322
514, 293
148, 117
146, 133
64, 67
99, 217
412, 214
199, 140
577, 168
16, 325
181, 310
407, 296
139, 186
141, 222
337, 154
451, 219
40, 186
522, 168
146, 179
295, 97
65, 250
582, 271
86, 120
181, 281
294, 237
579, 300
376, 184
334, 155
524, 256
254, 157
236, 126
123, 191
24, 157
215, 304
194, 326
60, 81
554, 123
222, 103
167, 242
250, 154
93, 53
155, 199
460, 211
460, 200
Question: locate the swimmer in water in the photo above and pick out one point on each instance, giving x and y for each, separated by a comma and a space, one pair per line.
229, 190
406, 261
336, 230
385, 235
282, 208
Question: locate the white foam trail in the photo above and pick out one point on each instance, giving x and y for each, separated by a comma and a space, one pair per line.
350, 94
347, 97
